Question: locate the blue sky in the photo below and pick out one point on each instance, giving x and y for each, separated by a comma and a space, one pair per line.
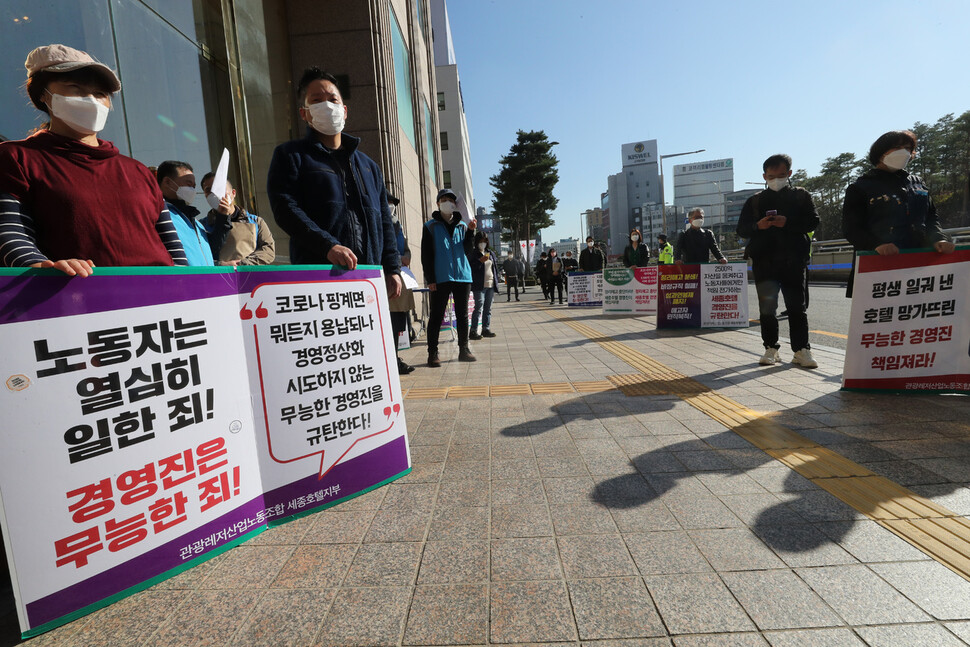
740, 79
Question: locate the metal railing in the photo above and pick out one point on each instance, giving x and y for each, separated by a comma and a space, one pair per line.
833, 258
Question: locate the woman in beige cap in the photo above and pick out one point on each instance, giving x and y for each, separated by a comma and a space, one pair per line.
69, 200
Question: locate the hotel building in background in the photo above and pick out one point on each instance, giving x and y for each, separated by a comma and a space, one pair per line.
637, 184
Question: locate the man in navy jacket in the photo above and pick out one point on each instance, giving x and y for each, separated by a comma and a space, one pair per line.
327, 195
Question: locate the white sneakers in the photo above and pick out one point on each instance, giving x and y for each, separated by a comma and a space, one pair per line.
770, 357
804, 359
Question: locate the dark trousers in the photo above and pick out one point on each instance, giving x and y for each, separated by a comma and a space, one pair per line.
522, 282
545, 288
399, 323
769, 280
555, 282
511, 282
439, 303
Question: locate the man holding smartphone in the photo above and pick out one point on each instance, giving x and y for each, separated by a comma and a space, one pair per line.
776, 222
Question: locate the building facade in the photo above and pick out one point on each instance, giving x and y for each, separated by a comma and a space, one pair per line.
595, 224
637, 184
733, 203
456, 160
564, 245
198, 76
704, 184
492, 227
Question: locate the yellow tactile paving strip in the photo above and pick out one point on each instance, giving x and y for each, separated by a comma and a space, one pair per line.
940, 533
541, 388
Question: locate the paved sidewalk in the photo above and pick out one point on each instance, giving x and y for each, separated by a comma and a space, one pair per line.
598, 517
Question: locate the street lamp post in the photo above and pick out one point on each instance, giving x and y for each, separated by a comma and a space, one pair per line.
663, 204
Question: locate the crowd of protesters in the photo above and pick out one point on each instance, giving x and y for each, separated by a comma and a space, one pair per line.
71, 201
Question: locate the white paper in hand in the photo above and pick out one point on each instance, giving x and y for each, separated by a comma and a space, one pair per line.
410, 283
222, 174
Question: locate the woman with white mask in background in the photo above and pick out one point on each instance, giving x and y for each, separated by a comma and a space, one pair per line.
69, 200
889, 209
484, 285
636, 253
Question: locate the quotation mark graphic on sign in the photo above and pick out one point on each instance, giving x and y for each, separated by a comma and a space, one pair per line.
396, 409
246, 313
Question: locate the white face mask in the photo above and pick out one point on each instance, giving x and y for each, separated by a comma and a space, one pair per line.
446, 208
213, 201
511, 255
897, 159
186, 194
697, 223
589, 243
634, 238
481, 246
84, 114
778, 183
326, 117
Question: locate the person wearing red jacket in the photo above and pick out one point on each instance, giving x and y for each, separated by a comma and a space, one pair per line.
69, 200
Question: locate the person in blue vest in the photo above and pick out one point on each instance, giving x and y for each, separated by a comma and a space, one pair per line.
177, 182
445, 245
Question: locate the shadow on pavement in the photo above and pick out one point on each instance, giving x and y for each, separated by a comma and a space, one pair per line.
579, 409
883, 436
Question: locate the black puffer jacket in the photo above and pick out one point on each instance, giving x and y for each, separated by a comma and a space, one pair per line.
890, 207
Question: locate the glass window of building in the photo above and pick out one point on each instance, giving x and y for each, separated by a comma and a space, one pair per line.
429, 138
402, 81
422, 17
444, 141
441, 101
26, 24
177, 97
446, 177
172, 59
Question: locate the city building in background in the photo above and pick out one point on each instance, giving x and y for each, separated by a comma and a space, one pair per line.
607, 237
704, 184
198, 76
733, 203
595, 224
638, 183
564, 245
456, 160
492, 227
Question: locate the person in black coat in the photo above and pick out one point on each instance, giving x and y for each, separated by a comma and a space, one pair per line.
592, 259
555, 272
511, 268
636, 253
541, 275
697, 244
888, 208
776, 223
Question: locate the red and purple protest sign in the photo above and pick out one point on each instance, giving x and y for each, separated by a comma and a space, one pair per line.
157, 417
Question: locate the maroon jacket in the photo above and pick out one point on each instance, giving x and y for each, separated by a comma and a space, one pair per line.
82, 202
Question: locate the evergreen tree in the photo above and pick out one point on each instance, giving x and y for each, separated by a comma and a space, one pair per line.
523, 198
